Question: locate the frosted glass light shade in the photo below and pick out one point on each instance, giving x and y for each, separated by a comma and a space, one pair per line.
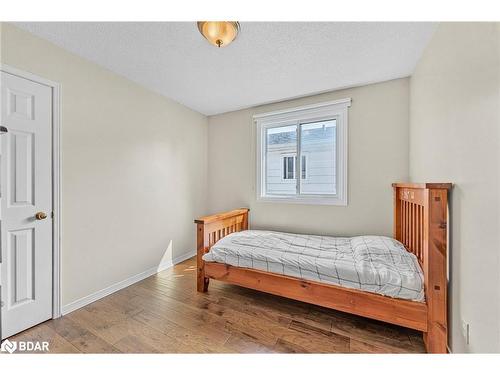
219, 33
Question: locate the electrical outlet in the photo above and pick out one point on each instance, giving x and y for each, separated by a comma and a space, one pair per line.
465, 331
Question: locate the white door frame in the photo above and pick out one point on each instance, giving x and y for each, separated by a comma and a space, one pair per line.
56, 181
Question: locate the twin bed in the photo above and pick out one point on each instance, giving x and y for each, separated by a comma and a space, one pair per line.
400, 280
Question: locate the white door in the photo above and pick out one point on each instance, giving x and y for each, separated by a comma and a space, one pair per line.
26, 189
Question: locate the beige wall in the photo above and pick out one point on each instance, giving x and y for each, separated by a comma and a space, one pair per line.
133, 168
454, 137
378, 156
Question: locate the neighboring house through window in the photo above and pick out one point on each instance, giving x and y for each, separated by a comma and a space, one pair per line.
310, 142
289, 165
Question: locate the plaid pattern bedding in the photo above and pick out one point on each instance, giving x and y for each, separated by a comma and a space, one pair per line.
370, 263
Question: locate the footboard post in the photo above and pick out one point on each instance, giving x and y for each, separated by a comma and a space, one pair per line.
201, 241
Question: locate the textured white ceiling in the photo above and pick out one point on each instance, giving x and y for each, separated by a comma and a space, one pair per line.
269, 61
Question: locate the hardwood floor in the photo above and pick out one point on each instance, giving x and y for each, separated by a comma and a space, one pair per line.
165, 314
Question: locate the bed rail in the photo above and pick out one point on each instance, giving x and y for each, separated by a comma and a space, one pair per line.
209, 230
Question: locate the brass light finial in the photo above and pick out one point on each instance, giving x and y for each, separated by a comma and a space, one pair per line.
219, 33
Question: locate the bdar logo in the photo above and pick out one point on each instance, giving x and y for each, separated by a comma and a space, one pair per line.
8, 346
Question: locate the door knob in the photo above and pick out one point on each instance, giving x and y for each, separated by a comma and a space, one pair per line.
40, 215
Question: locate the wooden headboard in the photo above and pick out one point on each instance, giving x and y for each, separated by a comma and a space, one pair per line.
420, 223
420, 212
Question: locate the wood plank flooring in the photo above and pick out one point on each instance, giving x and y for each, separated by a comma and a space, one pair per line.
165, 314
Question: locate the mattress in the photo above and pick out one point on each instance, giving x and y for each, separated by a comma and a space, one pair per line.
375, 264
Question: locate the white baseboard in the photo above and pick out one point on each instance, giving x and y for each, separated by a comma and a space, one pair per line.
182, 258
75, 305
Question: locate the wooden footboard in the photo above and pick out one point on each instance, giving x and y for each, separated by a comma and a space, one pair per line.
209, 230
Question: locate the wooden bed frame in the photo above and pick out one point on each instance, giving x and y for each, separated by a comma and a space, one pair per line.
420, 223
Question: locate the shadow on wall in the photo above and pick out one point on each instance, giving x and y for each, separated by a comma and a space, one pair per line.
454, 266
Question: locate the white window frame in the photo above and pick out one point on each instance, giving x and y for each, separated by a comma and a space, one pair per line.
338, 110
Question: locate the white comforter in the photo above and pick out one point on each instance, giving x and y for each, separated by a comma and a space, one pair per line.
371, 263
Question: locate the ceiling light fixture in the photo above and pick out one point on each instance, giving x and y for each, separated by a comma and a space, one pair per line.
219, 33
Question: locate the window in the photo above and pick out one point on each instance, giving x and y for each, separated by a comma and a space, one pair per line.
289, 167
310, 142
289, 163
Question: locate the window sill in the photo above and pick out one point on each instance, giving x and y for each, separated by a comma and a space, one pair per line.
321, 200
